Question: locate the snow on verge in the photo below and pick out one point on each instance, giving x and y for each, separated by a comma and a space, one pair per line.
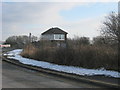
69, 69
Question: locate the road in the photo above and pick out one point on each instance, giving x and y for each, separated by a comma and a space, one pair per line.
17, 77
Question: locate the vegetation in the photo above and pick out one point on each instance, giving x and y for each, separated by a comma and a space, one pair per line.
19, 41
75, 54
111, 27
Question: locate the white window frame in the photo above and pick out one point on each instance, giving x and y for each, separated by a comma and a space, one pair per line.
60, 37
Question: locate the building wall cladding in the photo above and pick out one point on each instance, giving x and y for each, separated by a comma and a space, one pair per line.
48, 37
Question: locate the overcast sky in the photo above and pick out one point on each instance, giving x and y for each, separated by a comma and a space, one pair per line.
76, 18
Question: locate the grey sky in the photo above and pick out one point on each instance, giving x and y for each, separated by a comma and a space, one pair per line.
24, 17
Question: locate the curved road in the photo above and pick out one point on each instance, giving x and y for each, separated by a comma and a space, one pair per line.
17, 77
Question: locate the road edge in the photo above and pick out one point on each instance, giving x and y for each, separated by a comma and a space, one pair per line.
62, 74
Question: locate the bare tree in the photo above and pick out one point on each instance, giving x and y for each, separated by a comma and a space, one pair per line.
19, 41
111, 27
81, 40
34, 38
99, 40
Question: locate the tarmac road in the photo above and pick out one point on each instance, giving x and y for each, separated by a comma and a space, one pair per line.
17, 77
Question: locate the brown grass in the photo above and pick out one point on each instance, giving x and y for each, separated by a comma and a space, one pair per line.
87, 56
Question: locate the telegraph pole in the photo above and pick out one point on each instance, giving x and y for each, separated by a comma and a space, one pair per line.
30, 38
29, 41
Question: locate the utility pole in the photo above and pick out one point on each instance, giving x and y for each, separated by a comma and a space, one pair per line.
29, 44
30, 37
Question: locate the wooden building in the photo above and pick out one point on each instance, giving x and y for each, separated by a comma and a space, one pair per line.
54, 34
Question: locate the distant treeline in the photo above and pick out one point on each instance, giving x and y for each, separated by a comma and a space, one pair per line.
20, 41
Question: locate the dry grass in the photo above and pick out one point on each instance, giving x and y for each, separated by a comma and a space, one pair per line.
87, 56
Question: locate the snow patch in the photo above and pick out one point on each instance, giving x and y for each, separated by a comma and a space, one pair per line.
15, 54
